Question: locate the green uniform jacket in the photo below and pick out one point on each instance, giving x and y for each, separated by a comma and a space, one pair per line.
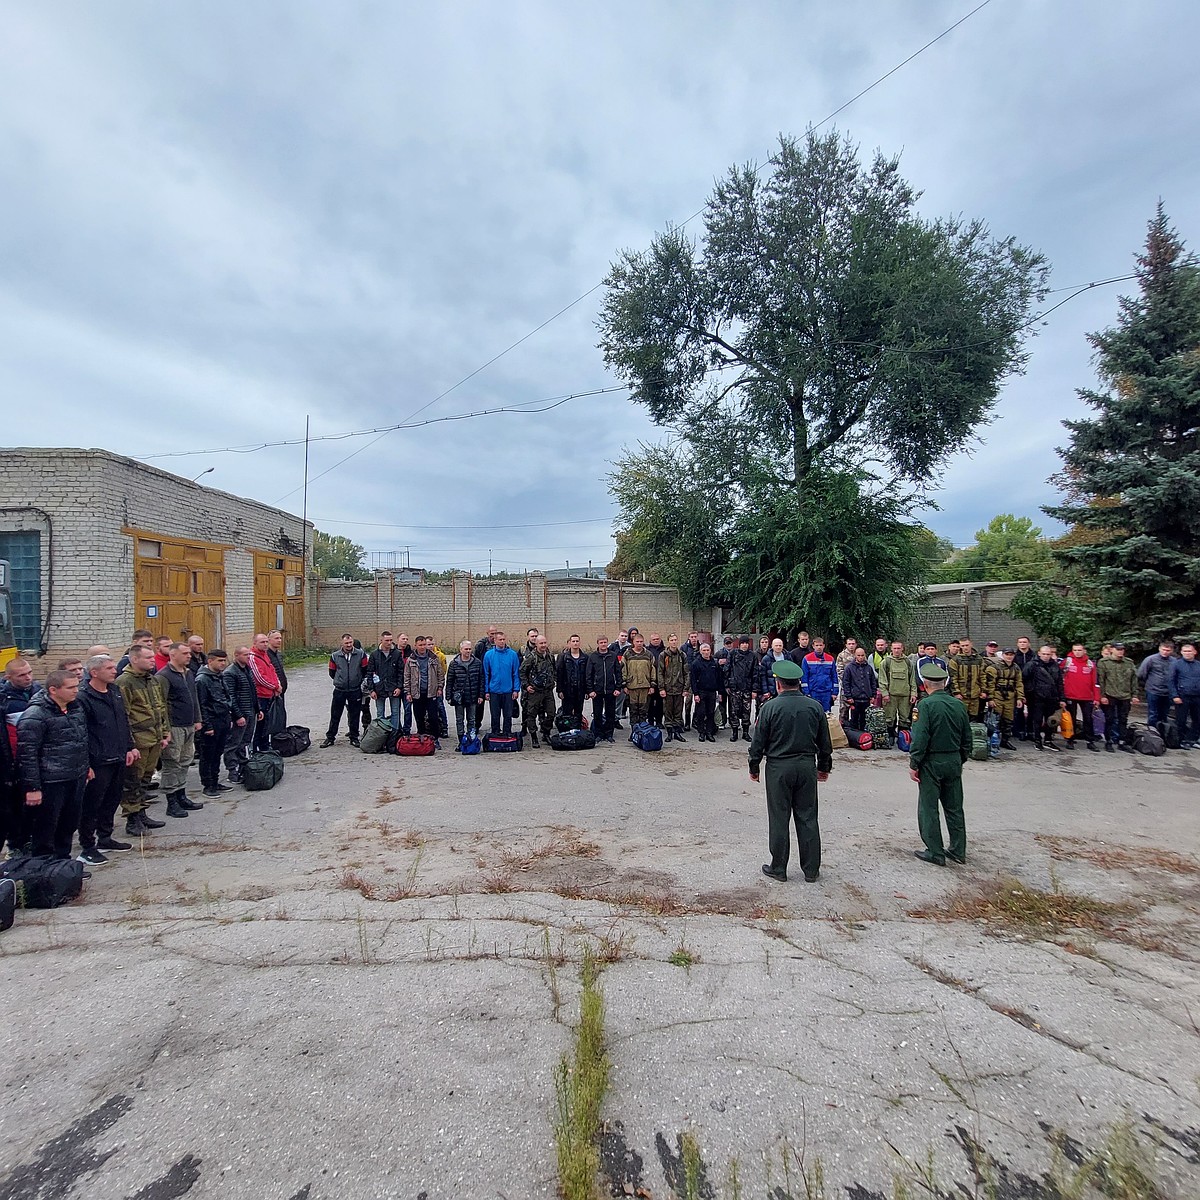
1005, 687
793, 726
146, 706
539, 671
1117, 678
941, 726
673, 672
966, 677
641, 670
897, 677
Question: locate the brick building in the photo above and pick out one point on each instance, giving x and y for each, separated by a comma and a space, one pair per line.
976, 610
101, 544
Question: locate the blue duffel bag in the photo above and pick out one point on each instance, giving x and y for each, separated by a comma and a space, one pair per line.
646, 736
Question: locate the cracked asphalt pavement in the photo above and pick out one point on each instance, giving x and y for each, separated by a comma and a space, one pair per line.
360, 983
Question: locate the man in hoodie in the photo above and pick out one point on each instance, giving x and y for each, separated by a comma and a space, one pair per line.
146, 707
183, 710
110, 751
216, 719
741, 680
539, 676
641, 675
1043, 680
1080, 693
818, 675
52, 748
423, 683
348, 668
1116, 677
572, 679
1185, 695
1155, 676
708, 682
966, 679
674, 680
606, 686
859, 685
501, 683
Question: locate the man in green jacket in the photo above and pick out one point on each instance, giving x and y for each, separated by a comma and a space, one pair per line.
146, 707
793, 733
941, 744
1116, 677
898, 686
674, 680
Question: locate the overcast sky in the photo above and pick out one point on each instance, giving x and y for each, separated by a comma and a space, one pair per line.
220, 218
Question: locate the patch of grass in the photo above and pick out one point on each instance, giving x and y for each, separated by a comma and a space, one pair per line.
580, 1084
499, 882
683, 957
564, 842
412, 840
615, 945
1117, 857
1007, 906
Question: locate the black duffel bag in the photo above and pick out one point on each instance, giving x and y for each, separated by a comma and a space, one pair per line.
262, 771
293, 740
572, 739
43, 882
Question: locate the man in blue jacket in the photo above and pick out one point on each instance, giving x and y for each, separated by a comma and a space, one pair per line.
1185, 694
501, 682
819, 675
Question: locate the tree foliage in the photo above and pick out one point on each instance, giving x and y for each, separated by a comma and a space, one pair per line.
1136, 462
1009, 549
822, 335
337, 557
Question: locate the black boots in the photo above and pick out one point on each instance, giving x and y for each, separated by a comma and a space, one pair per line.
174, 807
181, 798
533, 739
733, 737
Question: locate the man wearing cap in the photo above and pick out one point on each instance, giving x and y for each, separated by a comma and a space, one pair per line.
941, 744
1006, 689
793, 734
740, 680
1116, 677
722, 657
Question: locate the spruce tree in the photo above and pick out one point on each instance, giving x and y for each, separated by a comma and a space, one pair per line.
1140, 456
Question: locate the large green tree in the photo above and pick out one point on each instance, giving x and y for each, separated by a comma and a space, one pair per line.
336, 557
1135, 464
820, 332
1010, 548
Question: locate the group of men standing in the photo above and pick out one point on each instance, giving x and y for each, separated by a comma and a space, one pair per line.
90, 741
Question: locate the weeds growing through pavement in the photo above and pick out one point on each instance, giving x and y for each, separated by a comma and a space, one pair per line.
682, 956
1117, 857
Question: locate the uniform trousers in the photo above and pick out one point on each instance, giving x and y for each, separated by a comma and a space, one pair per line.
133, 791
739, 709
639, 705
537, 712
897, 712
673, 710
177, 756
941, 784
792, 797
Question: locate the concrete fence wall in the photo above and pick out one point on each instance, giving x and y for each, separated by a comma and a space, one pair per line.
465, 607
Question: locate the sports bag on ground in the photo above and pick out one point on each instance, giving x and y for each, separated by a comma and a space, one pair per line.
415, 744
573, 739
904, 740
979, 742
376, 736
877, 726
43, 882
502, 743
469, 745
262, 771
1169, 732
8, 904
646, 736
1147, 741
565, 721
293, 740
837, 735
860, 739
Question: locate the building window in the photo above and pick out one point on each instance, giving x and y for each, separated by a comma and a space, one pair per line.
294, 585
149, 549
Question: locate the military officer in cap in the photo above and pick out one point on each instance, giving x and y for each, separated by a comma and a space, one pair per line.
793, 733
941, 743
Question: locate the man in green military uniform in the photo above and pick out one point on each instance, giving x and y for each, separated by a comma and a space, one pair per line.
941, 744
146, 706
1006, 691
793, 733
966, 679
539, 676
898, 686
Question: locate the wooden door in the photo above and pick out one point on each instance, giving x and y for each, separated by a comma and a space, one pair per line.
178, 586
279, 596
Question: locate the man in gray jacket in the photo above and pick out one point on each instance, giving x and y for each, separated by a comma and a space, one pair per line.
1155, 676
348, 668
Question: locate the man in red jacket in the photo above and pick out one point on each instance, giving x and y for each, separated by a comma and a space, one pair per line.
266, 688
1080, 693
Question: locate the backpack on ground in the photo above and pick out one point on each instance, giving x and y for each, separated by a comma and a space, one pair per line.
415, 745
573, 739
565, 722
502, 743
295, 739
645, 735
904, 740
837, 735
1149, 741
376, 736
860, 739
469, 744
42, 882
877, 726
979, 742
8, 904
262, 771
1169, 732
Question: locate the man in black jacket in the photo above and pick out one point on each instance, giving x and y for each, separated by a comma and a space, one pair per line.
1044, 695
605, 686
243, 712
215, 721
464, 689
184, 712
110, 750
573, 679
275, 654
708, 681
1024, 656
386, 672
52, 748
742, 682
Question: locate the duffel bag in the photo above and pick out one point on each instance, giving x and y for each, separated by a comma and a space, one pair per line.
415, 744
376, 737
860, 739
1150, 741
295, 739
564, 721
1169, 732
262, 771
502, 743
904, 740
837, 735
573, 739
646, 736
8, 904
43, 882
979, 742
469, 744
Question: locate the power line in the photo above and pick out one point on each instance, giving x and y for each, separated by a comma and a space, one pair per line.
455, 528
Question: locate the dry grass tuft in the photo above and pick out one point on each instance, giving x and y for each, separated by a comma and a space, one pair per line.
564, 842
1117, 857
499, 882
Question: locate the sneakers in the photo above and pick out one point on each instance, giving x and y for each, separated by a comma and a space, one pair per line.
92, 857
112, 845
214, 793
326, 743
354, 742
1110, 747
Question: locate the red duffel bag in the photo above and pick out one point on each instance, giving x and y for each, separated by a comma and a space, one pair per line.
859, 739
417, 743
